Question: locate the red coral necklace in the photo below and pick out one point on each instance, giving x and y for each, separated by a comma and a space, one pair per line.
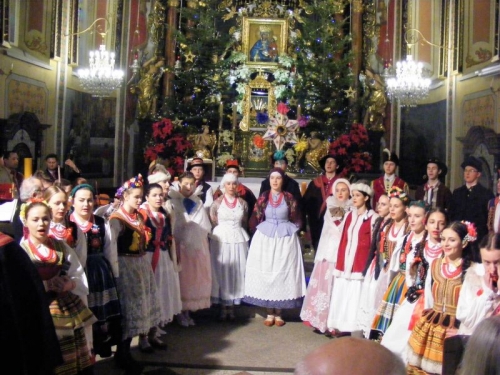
278, 201
230, 204
51, 257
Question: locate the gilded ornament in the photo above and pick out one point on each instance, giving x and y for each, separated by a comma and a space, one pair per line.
350, 93
173, 3
192, 4
189, 56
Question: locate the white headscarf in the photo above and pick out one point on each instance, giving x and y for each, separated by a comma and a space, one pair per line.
228, 177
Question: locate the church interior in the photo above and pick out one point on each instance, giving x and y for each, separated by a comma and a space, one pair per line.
116, 85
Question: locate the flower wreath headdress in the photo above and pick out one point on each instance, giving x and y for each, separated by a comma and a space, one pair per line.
133, 183
28, 203
471, 235
396, 192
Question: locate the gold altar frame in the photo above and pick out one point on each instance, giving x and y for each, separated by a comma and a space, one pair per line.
249, 116
251, 34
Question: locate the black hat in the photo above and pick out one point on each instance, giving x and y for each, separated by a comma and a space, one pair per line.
387, 155
197, 162
338, 159
442, 166
471, 161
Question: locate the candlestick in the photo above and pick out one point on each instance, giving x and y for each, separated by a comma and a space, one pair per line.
303, 187
28, 167
221, 113
299, 111
235, 116
59, 173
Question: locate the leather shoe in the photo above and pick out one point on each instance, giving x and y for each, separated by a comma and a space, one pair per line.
279, 322
269, 322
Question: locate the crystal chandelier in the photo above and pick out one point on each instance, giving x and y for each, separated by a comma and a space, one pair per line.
409, 86
101, 78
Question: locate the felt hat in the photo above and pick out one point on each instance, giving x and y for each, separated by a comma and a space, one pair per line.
197, 162
337, 158
387, 155
233, 163
472, 161
441, 166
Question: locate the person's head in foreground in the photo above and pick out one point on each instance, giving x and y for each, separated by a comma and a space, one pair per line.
482, 353
351, 356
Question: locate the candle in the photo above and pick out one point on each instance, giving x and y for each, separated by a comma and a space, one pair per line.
59, 173
28, 167
221, 113
303, 187
235, 116
299, 111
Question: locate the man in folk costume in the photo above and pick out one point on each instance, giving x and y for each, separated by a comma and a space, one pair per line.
434, 192
470, 201
318, 190
198, 169
233, 167
385, 183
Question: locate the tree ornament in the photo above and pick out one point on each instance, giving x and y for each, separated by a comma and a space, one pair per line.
189, 56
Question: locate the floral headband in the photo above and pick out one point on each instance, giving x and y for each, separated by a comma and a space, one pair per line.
25, 206
471, 235
396, 192
133, 183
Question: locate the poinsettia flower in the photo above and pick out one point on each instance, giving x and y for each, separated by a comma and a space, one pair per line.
282, 108
150, 154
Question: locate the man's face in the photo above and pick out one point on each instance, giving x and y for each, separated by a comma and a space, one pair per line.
51, 163
389, 167
471, 175
198, 172
13, 161
432, 171
330, 165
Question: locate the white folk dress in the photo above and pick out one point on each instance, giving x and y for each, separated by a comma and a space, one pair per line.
191, 227
229, 251
319, 290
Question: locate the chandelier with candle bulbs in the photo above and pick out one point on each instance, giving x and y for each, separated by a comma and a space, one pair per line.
101, 78
409, 86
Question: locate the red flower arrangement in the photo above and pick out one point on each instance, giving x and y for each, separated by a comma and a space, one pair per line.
258, 141
350, 148
168, 143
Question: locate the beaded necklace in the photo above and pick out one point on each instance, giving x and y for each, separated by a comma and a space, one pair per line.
232, 204
51, 257
278, 200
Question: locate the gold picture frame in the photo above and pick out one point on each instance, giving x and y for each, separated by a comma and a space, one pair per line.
263, 40
252, 103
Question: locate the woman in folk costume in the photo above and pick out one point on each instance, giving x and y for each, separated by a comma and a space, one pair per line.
479, 297
275, 272
228, 247
438, 321
390, 239
494, 210
395, 293
191, 227
319, 291
135, 279
352, 255
161, 254
66, 283
57, 199
417, 270
370, 301
90, 235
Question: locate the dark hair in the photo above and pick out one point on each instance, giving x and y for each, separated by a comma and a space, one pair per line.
63, 183
150, 187
36, 204
490, 242
186, 175
434, 210
7, 154
51, 156
469, 252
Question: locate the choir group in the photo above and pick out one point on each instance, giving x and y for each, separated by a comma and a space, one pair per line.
407, 274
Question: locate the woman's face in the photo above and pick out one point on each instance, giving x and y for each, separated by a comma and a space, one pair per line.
452, 244
416, 219
397, 209
276, 181
358, 199
155, 198
83, 203
38, 223
133, 198
491, 261
187, 186
230, 188
435, 225
58, 206
383, 206
341, 191
165, 185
